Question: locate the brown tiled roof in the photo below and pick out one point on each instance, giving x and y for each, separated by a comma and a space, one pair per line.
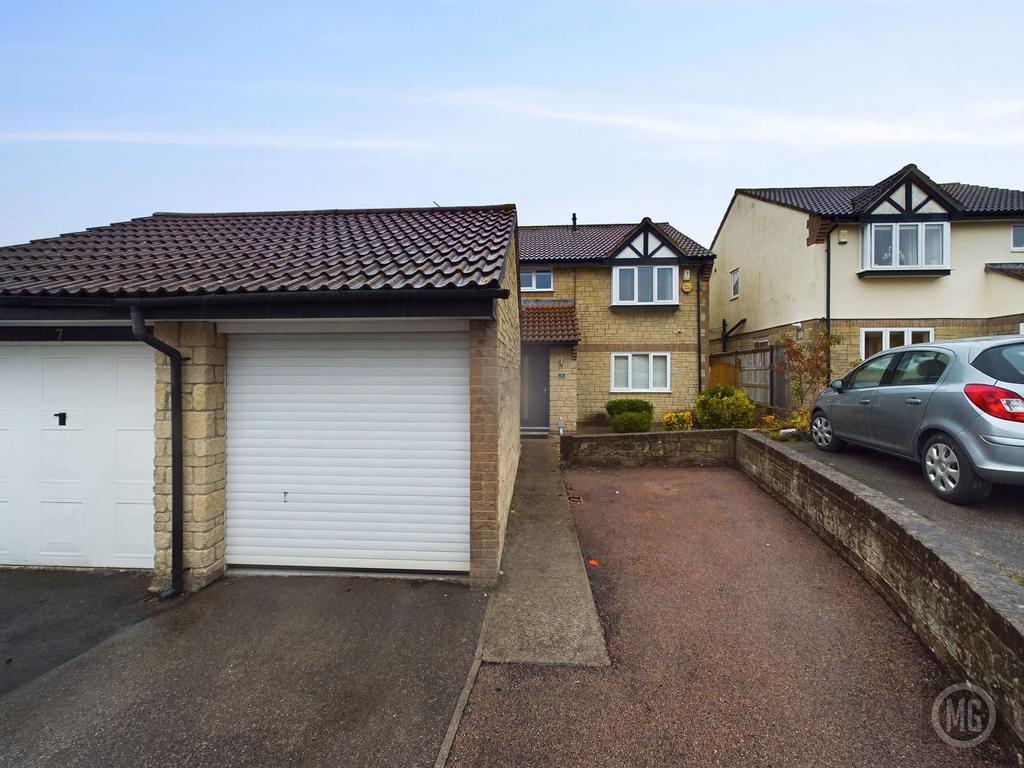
1009, 269
850, 201
549, 322
195, 253
591, 242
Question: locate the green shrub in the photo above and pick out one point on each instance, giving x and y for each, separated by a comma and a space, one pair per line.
629, 405
677, 421
721, 407
631, 421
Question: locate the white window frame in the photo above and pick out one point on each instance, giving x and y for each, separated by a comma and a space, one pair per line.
1012, 228
734, 284
762, 343
533, 280
636, 286
867, 259
650, 371
885, 337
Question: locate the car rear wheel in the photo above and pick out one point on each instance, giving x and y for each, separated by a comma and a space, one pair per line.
823, 435
949, 472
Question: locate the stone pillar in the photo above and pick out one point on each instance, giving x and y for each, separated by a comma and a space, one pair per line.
205, 468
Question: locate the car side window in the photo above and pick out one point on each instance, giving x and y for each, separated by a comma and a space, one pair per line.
920, 368
870, 374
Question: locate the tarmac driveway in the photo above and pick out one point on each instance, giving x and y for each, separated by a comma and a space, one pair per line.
49, 617
737, 638
282, 671
995, 528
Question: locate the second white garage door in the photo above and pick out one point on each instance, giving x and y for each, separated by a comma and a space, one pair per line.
349, 450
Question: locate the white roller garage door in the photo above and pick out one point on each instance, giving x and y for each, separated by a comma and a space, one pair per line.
349, 450
78, 493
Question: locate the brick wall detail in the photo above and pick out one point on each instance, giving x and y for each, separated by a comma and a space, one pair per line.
494, 387
604, 330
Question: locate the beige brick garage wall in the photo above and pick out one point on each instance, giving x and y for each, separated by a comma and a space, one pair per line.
203, 358
494, 355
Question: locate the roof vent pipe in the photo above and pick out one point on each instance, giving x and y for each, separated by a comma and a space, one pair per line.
141, 333
574, 222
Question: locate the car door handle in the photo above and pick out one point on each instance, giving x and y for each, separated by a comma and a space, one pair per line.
913, 401
866, 401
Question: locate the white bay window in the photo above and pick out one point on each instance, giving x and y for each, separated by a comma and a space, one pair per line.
641, 372
906, 245
645, 285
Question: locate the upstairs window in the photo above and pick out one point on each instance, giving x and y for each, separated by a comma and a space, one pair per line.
906, 245
644, 285
536, 280
734, 290
1017, 237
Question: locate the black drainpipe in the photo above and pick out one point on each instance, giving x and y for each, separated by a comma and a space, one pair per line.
828, 292
700, 277
177, 500
727, 331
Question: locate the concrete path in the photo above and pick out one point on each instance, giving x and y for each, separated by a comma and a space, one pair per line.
737, 638
259, 671
543, 611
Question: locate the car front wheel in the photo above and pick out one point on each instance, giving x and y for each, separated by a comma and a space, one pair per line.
950, 473
823, 435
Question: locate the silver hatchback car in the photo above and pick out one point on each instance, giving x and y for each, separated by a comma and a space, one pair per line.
956, 407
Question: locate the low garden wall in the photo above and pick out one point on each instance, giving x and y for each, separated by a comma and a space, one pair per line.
694, 448
969, 613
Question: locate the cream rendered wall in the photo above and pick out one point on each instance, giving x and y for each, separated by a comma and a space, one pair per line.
782, 280
968, 291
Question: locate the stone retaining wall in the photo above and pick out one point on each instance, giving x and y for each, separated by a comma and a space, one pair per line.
966, 611
697, 448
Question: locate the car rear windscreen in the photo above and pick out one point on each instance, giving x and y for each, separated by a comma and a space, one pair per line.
1002, 363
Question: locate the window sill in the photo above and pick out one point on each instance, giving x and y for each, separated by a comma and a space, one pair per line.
912, 272
536, 290
639, 391
662, 307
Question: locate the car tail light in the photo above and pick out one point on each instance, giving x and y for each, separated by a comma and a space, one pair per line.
996, 401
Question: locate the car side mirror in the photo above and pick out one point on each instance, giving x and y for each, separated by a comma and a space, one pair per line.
837, 385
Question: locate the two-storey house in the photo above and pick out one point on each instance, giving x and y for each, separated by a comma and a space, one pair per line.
902, 261
609, 311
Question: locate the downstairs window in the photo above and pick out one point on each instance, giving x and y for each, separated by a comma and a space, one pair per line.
641, 371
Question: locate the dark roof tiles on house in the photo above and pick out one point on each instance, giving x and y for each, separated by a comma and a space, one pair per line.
288, 251
591, 242
848, 201
549, 323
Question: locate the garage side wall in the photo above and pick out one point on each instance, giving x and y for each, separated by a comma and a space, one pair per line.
204, 353
494, 355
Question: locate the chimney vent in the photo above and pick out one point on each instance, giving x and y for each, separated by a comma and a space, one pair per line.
574, 222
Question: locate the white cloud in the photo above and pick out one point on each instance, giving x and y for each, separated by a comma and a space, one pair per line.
236, 141
984, 124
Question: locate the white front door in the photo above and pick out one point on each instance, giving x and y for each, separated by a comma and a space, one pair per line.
76, 455
349, 450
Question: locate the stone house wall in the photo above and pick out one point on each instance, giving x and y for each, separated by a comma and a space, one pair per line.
605, 330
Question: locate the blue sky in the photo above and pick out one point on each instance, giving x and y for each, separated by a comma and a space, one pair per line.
614, 110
